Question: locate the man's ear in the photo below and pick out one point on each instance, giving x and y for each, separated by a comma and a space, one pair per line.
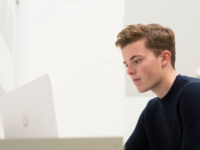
166, 57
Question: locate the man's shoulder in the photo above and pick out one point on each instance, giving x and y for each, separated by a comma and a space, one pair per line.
189, 84
189, 80
189, 98
190, 91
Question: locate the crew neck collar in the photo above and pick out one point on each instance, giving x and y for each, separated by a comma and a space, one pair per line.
173, 89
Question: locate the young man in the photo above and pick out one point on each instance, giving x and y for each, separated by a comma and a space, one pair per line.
171, 121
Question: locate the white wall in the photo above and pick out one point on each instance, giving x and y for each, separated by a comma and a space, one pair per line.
8, 17
74, 42
8, 12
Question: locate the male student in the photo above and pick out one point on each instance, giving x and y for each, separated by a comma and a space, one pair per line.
170, 121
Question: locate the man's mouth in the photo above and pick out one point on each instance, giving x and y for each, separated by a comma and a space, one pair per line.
136, 80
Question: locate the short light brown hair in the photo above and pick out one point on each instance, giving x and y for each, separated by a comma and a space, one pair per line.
157, 38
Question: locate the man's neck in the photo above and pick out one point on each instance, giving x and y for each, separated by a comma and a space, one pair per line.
166, 83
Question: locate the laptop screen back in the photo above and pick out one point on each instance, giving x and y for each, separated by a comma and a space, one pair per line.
28, 111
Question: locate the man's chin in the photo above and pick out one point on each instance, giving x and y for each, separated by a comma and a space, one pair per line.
142, 90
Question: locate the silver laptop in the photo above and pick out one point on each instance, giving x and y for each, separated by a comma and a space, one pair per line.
28, 111
112, 143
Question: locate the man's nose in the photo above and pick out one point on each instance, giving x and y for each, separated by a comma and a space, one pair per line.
130, 71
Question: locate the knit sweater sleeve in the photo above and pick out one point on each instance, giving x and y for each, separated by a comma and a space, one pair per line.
190, 116
138, 139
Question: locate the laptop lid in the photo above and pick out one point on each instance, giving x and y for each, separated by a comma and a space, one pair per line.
28, 111
107, 143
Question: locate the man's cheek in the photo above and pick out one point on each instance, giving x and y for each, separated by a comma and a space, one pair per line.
147, 72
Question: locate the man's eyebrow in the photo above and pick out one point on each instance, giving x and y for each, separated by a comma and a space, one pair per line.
133, 57
130, 58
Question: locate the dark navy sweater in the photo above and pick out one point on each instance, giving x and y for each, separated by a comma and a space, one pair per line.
170, 123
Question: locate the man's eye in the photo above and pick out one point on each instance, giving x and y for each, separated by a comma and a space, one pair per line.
137, 61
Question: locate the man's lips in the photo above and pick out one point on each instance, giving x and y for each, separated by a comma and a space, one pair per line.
136, 80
